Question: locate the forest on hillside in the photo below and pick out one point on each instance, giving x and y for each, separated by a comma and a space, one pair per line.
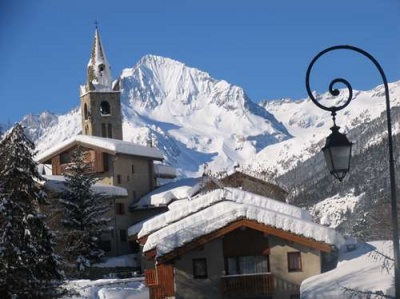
310, 182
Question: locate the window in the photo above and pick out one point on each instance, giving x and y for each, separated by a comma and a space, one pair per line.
295, 296
200, 268
103, 130
247, 264
119, 208
133, 168
65, 158
122, 235
294, 261
105, 108
118, 179
85, 111
109, 131
105, 161
106, 130
127, 178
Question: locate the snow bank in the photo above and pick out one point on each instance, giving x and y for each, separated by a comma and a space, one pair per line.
108, 289
361, 269
122, 293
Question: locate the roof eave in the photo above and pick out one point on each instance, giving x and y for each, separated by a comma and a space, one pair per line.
319, 245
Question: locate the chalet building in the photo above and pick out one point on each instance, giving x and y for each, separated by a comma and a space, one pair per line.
230, 243
247, 182
117, 164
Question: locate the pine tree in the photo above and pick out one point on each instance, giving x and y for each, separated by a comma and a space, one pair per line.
28, 264
83, 213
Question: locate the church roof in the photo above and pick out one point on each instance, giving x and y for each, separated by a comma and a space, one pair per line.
108, 145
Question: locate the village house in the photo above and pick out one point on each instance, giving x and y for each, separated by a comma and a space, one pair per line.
230, 243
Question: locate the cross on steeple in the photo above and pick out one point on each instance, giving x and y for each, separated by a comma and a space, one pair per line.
96, 23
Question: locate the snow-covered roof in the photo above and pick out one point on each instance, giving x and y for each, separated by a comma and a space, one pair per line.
163, 195
221, 214
361, 269
108, 145
56, 183
189, 207
164, 171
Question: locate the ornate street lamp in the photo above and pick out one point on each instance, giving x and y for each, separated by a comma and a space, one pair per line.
337, 153
337, 150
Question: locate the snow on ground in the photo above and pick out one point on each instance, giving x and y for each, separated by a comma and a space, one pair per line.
131, 288
331, 211
361, 269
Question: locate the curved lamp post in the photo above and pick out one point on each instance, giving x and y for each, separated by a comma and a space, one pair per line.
337, 150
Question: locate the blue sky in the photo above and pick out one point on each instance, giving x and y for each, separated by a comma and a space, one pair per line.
263, 46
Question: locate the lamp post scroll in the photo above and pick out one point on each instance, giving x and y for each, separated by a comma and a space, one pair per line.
337, 150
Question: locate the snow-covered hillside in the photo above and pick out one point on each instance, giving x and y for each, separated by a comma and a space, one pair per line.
310, 125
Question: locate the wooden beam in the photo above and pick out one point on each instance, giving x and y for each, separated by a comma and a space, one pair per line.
235, 225
287, 235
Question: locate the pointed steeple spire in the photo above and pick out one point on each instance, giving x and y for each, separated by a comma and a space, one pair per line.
98, 69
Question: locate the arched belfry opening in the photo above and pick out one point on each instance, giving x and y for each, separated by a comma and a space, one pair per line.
105, 108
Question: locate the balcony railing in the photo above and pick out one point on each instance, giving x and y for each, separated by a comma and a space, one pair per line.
247, 285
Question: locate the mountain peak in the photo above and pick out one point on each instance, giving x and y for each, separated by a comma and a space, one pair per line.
190, 116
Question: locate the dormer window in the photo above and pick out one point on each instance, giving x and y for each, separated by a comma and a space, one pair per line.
105, 108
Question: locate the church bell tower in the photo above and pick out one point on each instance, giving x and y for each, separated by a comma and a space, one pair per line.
100, 97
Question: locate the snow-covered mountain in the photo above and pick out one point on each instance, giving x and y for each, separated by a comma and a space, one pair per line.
195, 120
191, 117
309, 125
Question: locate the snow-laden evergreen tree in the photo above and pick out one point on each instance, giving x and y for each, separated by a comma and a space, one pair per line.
29, 268
83, 213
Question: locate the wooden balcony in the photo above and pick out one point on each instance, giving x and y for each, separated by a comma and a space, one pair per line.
151, 277
160, 282
247, 285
